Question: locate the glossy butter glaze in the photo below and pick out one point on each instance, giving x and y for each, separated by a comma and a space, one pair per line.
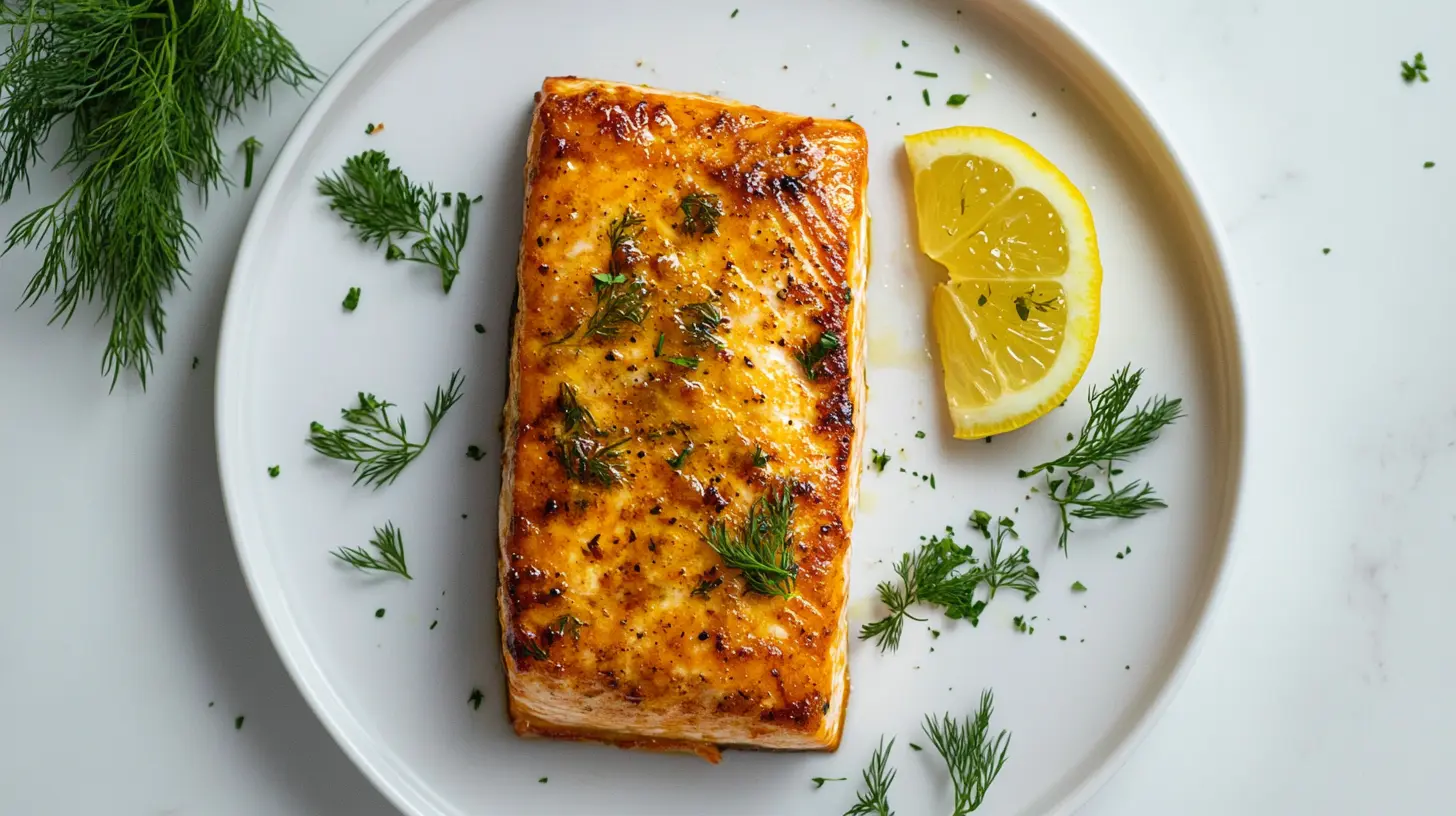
651, 664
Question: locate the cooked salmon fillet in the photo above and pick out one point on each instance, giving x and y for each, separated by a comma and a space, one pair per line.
683, 424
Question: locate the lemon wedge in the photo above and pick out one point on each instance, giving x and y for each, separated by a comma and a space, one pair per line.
1017, 321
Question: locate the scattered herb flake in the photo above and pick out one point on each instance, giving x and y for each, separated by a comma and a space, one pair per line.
681, 457
879, 459
542, 780
250, 147
955, 101
1428, 165
931, 74
820, 780
657, 352
685, 362
705, 587
812, 356
925, 94
734, 14
1077, 586
379, 613
1326, 250
479, 328
920, 434
433, 624
475, 699
474, 452
238, 723
351, 299
760, 459
195, 362
904, 44
1416, 69
273, 471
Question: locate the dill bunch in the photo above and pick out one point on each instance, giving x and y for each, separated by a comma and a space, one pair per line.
143, 86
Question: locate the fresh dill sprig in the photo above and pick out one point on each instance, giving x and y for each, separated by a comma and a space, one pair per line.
621, 300
582, 454
945, 574
378, 443
763, 547
700, 321
811, 356
684, 362
575, 418
382, 205
1077, 500
971, 756
390, 543
874, 800
143, 88
879, 459
759, 458
1110, 435
590, 462
701, 212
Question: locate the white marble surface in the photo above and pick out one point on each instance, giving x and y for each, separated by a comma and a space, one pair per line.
128, 643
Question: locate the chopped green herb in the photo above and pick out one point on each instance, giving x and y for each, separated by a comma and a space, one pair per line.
389, 541
915, 747
273, 471
238, 723
1077, 586
920, 434
1428, 165
681, 457
542, 780
700, 321
584, 458
1416, 69
685, 362
925, 94
620, 300
601, 280
760, 459
897, 67
955, 101
1061, 637
375, 441
195, 362
705, 587
475, 699
935, 634
930, 74
474, 452
820, 780
433, 624
879, 459
379, 613
382, 205
657, 352
904, 44
250, 147
1326, 250
351, 299
811, 356
701, 212
971, 756
734, 14
957, 49
932, 481
762, 549
981, 301
479, 328
566, 626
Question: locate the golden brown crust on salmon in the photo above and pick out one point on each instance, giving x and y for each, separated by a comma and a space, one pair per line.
620, 623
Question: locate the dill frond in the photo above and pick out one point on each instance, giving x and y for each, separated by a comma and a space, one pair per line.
389, 541
144, 87
874, 800
377, 442
972, 757
701, 212
762, 549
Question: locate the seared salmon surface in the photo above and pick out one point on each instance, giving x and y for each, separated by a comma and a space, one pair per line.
682, 448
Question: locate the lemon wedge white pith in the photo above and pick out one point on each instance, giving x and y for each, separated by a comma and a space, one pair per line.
1017, 321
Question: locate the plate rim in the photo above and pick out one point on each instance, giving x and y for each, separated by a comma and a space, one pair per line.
398, 786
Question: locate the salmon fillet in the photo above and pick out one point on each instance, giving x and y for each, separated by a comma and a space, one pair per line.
683, 423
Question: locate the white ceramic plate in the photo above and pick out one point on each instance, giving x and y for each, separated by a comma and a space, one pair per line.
453, 83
